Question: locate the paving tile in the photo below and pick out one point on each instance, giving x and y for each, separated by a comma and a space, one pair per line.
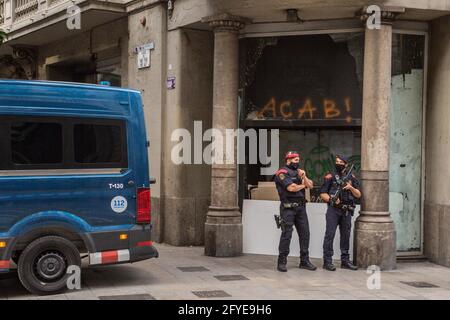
420, 284
128, 297
211, 294
237, 277
193, 269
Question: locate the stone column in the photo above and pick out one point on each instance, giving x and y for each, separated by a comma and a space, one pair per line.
375, 235
223, 227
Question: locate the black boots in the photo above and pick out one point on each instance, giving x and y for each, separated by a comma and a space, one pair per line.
307, 265
344, 265
303, 265
282, 264
329, 266
348, 265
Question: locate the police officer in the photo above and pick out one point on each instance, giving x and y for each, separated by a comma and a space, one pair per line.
291, 183
338, 214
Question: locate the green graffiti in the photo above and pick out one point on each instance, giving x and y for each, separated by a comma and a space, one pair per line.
320, 160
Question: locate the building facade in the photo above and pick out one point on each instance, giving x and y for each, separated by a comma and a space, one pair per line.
315, 72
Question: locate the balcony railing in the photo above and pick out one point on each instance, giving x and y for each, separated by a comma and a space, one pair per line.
20, 10
24, 8
18, 14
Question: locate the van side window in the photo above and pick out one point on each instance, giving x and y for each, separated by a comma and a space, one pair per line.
63, 143
4, 147
36, 143
94, 143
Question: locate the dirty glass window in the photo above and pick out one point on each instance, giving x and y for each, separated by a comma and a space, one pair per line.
98, 143
303, 78
36, 143
4, 146
310, 88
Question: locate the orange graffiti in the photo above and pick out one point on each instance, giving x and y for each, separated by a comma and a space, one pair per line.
348, 108
270, 106
308, 111
330, 109
307, 107
283, 106
347, 104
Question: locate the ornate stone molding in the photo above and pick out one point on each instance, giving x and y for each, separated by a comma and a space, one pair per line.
226, 22
388, 14
10, 68
26, 56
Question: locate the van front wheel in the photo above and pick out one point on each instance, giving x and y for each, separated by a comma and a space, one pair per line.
43, 265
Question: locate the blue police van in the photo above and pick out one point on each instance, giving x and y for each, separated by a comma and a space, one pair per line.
74, 180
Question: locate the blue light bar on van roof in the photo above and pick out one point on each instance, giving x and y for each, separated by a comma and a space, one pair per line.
105, 83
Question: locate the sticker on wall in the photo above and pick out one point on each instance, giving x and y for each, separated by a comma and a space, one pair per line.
171, 83
119, 204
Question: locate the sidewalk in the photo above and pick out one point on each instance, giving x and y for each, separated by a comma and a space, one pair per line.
255, 278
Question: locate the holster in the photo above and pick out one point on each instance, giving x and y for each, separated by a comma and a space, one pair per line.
280, 222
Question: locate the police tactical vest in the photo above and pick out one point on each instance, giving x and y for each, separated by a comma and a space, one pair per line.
285, 195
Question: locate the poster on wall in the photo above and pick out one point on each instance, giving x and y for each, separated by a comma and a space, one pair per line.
143, 55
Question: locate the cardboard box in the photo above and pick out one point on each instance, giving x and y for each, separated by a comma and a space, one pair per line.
267, 190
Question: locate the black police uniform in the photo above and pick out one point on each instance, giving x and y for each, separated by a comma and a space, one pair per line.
293, 212
337, 217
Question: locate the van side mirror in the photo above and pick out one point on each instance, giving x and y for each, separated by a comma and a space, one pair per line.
152, 180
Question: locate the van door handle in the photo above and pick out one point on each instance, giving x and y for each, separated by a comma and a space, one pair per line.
131, 183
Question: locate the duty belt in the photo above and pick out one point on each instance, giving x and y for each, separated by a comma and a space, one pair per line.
348, 208
295, 204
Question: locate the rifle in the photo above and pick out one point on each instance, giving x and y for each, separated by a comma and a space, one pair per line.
342, 182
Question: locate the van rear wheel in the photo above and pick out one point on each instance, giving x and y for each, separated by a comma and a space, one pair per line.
43, 265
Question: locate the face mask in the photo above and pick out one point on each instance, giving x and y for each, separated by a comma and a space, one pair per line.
293, 166
340, 167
